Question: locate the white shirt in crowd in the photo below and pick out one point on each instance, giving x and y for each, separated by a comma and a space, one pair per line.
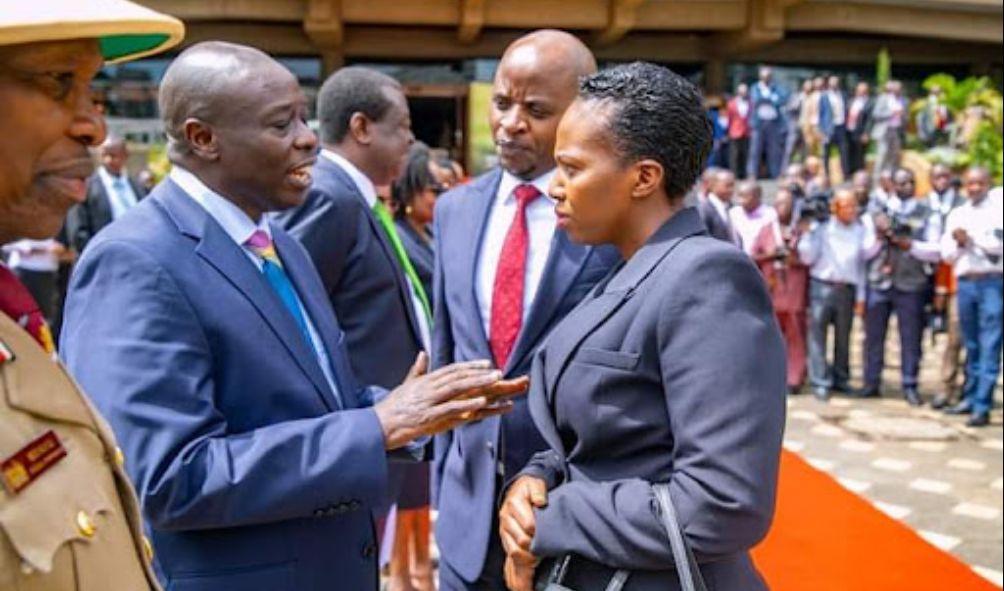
541, 221
747, 225
836, 106
365, 186
983, 223
39, 256
721, 208
119, 190
239, 227
835, 252
854, 113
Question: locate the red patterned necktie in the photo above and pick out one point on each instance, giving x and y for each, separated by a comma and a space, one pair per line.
16, 302
507, 293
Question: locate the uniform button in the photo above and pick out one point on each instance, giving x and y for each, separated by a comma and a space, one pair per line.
147, 549
354, 505
491, 448
369, 551
85, 525
319, 513
119, 457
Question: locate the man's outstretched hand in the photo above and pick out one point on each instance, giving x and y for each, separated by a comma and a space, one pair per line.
430, 403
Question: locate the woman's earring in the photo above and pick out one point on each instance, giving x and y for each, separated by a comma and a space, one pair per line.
407, 210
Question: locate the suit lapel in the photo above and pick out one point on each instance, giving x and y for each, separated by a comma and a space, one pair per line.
608, 297
318, 310
563, 265
220, 251
538, 401
404, 289
102, 209
481, 201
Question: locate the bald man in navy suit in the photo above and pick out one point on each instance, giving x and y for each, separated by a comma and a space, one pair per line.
504, 277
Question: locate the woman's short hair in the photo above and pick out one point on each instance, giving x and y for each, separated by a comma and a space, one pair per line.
415, 178
655, 114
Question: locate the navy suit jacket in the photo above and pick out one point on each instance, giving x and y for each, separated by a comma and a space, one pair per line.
776, 97
251, 473
673, 371
827, 115
466, 459
713, 223
361, 275
86, 219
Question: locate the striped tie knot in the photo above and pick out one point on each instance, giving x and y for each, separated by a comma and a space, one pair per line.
261, 245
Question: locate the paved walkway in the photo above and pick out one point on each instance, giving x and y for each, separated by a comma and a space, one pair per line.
917, 465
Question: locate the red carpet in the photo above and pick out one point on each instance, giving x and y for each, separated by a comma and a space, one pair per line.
826, 538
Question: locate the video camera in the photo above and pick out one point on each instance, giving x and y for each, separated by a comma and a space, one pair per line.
816, 207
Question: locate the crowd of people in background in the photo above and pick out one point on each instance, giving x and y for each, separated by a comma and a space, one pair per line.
871, 251
764, 128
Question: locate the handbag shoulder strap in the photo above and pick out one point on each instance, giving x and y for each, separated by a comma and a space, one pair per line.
683, 556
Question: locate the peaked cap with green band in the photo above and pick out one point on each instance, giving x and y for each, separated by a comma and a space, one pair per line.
124, 30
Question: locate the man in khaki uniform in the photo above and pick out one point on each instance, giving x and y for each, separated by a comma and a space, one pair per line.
68, 517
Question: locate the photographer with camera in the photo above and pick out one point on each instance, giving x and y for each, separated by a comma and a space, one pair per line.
972, 243
834, 249
903, 245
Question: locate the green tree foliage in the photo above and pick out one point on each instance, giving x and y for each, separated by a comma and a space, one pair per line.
883, 68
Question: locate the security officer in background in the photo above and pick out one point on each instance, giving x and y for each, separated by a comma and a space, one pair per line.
68, 517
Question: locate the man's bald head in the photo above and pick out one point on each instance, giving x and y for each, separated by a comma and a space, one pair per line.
552, 53
210, 82
236, 119
536, 81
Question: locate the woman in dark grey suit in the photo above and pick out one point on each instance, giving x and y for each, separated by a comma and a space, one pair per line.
671, 371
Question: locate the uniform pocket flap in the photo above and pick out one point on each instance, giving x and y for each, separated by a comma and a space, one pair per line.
615, 359
51, 513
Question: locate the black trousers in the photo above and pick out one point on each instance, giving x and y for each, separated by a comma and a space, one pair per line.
855, 152
838, 139
739, 150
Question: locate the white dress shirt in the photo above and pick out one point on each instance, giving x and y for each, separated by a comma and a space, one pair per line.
240, 227
747, 226
835, 253
836, 107
122, 197
33, 255
541, 221
983, 253
365, 186
854, 114
720, 207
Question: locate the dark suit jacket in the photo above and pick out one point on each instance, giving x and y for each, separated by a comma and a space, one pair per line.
252, 473
420, 254
674, 371
827, 114
361, 275
86, 219
467, 458
864, 118
713, 223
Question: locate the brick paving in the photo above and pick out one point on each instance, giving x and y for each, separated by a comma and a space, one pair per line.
919, 466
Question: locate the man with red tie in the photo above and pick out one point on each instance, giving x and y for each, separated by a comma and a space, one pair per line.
505, 274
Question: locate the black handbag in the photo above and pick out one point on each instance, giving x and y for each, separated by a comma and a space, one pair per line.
683, 556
